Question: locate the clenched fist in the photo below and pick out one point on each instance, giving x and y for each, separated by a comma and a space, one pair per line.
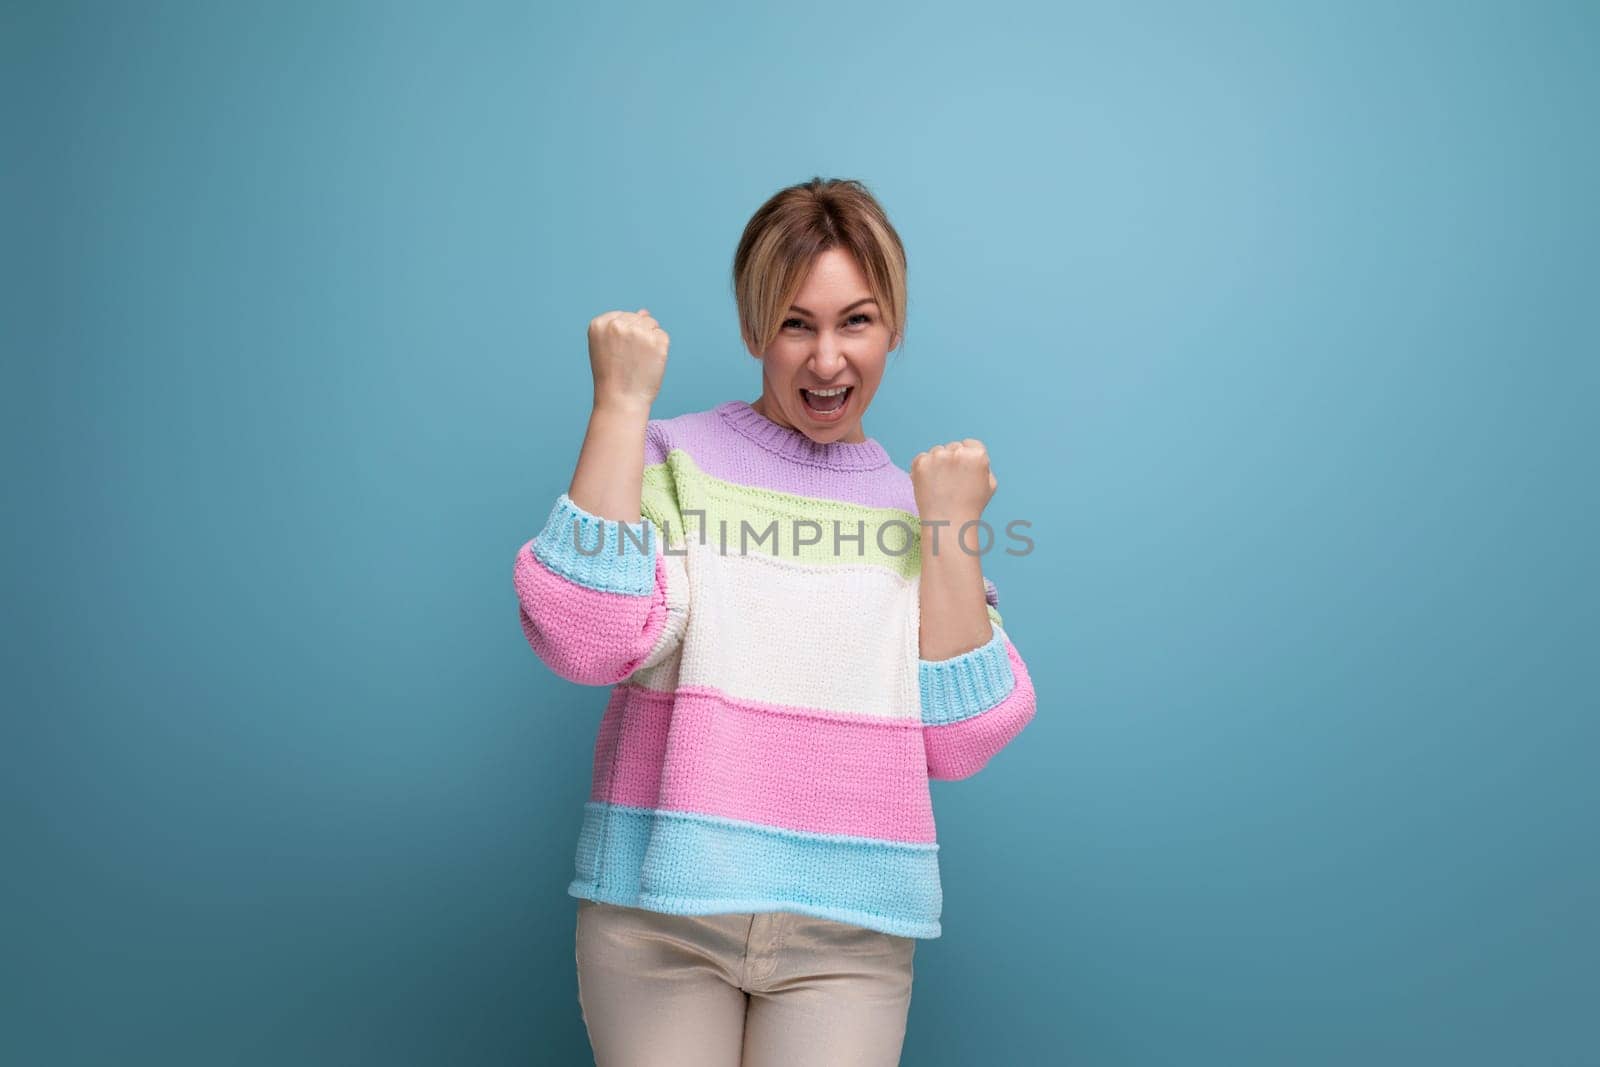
953, 481
628, 356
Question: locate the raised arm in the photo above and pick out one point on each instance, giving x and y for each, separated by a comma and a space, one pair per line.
975, 702
975, 691
599, 595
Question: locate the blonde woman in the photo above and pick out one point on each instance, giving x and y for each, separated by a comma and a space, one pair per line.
798, 635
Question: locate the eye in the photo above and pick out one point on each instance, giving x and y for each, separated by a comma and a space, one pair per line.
865, 318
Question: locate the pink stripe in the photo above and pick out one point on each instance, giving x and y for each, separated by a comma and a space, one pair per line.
960, 749
703, 751
587, 635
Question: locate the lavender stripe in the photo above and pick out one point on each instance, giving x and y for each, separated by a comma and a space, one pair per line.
722, 452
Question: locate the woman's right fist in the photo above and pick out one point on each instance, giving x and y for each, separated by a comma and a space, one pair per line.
628, 355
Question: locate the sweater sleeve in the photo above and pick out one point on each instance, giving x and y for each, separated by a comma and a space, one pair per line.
601, 599
974, 703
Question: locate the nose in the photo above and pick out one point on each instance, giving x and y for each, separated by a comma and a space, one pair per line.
828, 359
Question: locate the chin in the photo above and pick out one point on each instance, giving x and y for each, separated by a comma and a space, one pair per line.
823, 434
841, 434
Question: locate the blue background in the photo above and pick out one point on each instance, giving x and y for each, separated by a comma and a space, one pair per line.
1278, 320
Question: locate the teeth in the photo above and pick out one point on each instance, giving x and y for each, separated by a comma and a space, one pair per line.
827, 392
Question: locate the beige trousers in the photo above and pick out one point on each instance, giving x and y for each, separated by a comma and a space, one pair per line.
743, 989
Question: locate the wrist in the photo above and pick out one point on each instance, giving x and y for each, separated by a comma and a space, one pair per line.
953, 538
620, 409
943, 529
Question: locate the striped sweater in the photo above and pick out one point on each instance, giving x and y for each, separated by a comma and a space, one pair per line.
771, 727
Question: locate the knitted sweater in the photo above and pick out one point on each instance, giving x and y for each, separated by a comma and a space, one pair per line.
771, 727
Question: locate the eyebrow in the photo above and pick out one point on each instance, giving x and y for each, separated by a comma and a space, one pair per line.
858, 303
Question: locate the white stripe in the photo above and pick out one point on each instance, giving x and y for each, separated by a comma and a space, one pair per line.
659, 669
838, 637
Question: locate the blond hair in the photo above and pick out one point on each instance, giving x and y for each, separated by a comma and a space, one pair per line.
789, 231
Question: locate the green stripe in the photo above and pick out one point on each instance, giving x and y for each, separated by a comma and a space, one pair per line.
676, 485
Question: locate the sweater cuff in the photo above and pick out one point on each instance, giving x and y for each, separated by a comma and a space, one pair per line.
597, 552
964, 685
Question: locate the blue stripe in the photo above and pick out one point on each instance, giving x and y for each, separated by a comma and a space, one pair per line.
688, 864
619, 566
969, 684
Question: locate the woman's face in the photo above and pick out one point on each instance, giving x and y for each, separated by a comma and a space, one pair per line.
833, 335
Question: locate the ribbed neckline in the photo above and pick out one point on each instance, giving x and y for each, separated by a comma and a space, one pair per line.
792, 444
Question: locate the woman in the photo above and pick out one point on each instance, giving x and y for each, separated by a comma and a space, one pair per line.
796, 645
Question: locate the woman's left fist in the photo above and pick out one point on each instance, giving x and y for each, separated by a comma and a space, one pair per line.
952, 481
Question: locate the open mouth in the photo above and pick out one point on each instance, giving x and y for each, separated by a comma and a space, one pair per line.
829, 403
